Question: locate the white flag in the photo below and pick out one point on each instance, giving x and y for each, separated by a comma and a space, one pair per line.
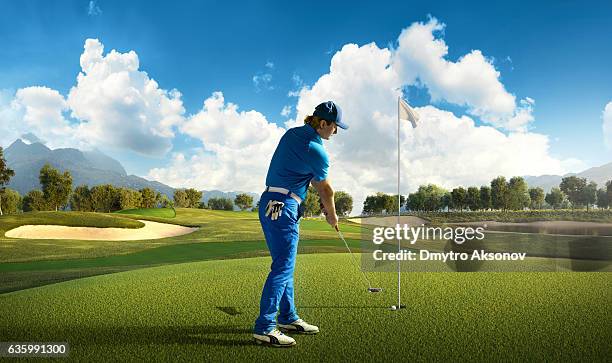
407, 113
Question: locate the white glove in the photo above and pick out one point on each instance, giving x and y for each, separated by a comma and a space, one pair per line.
274, 209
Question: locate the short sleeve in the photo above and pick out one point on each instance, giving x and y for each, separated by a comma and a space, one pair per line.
318, 161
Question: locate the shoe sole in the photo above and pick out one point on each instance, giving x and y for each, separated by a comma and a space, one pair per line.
268, 344
285, 330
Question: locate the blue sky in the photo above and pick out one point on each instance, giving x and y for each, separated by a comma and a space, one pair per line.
559, 55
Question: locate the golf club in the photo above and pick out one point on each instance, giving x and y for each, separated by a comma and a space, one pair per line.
370, 288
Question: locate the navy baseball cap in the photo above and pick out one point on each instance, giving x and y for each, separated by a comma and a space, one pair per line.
329, 111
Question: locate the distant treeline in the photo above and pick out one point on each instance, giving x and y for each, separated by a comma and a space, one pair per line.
56, 193
502, 195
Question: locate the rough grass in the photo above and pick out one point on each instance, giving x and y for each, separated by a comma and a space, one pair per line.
206, 310
598, 215
151, 212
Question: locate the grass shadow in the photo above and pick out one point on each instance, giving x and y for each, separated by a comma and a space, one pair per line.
216, 335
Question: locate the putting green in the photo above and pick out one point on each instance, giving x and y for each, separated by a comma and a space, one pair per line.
205, 311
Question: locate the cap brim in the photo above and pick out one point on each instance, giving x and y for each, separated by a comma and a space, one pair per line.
342, 125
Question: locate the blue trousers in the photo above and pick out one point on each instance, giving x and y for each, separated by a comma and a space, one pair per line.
282, 237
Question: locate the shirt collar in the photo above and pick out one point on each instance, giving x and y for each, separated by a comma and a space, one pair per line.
313, 134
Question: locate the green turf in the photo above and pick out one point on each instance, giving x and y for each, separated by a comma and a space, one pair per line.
204, 311
151, 212
214, 226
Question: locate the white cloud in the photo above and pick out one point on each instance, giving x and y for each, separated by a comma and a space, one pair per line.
120, 106
269, 65
607, 125
263, 81
473, 81
93, 8
286, 111
38, 111
237, 149
444, 149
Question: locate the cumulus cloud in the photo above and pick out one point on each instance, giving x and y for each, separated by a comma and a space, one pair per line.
237, 148
607, 125
113, 105
472, 81
445, 149
286, 111
35, 110
120, 106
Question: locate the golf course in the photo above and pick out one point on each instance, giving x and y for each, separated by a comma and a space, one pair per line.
195, 296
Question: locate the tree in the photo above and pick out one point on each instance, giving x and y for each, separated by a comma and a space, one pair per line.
10, 201
473, 198
220, 204
537, 197
485, 197
34, 201
130, 198
5, 175
164, 202
56, 187
311, 203
574, 188
194, 197
499, 193
518, 194
104, 198
416, 201
80, 200
428, 197
446, 201
149, 198
180, 199
343, 202
458, 198
555, 198
243, 201
602, 198
590, 194
390, 202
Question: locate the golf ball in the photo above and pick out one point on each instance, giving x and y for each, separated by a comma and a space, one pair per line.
393, 307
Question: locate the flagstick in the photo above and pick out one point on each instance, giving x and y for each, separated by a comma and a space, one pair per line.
399, 205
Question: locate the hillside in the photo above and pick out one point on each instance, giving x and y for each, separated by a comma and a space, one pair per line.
598, 174
87, 167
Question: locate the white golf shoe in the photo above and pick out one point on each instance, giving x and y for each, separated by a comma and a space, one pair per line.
299, 326
274, 338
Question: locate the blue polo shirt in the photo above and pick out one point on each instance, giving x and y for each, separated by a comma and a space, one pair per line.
298, 158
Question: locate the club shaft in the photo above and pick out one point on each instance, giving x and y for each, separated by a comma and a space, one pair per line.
355, 260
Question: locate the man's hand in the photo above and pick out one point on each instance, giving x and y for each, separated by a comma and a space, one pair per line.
332, 219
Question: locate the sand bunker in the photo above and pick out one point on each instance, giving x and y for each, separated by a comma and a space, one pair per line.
151, 230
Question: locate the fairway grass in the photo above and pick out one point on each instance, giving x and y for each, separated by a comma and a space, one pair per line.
151, 212
205, 311
214, 226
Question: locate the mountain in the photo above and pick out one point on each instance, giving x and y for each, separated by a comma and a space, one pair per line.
87, 167
598, 174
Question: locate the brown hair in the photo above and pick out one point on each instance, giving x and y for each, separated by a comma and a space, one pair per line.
314, 121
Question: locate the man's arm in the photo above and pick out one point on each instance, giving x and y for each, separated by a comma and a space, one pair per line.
326, 194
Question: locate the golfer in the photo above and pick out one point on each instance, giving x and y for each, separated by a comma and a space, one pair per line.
298, 161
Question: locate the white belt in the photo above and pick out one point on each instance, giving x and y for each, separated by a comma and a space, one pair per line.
284, 191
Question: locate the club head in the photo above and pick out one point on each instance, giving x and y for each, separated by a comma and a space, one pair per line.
374, 289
